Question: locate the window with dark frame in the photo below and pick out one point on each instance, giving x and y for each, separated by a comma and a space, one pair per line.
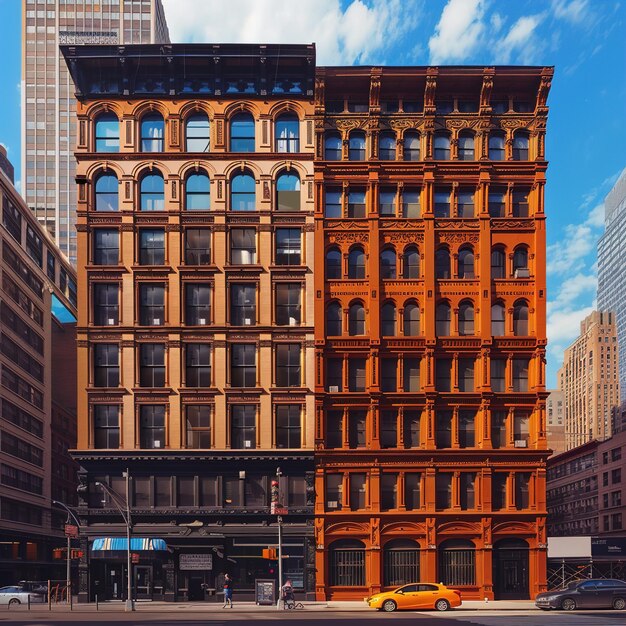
243, 426
288, 426
152, 304
243, 365
243, 304
106, 426
288, 246
389, 429
152, 426
106, 248
288, 365
198, 365
243, 246
389, 374
334, 429
356, 374
152, 246
388, 491
356, 428
197, 304
198, 425
443, 429
358, 486
288, 304
106, 304
197, 246
152, 365
106, 365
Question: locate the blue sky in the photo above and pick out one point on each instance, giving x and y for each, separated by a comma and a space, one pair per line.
584, 39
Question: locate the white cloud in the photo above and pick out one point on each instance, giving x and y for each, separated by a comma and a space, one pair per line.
574, 11
362, 33
520, 39
459, 32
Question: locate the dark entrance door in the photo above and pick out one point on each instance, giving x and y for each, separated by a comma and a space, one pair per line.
510, 570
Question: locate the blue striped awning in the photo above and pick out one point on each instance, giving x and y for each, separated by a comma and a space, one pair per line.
121, 543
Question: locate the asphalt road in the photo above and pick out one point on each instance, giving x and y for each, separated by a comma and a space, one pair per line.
217, 617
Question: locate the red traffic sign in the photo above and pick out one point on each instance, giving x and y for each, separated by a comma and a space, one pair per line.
134, 558
71, 530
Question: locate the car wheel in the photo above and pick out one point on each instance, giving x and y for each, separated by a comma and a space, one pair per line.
389, 606
568, 604
442, 605
619, 604
14, 601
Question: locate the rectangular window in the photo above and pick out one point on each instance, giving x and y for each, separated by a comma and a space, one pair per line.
443, 371
106, 246
197, 246
243, 365
51, 266
520, 203
356, 374
106, 426
465, 203
21, 269
106, 365
520, 374
152, 304
152, 426
198, 425
243, 304
288, 366
21, 298
356, 203
12, 219
467, 485
20, 449
389, 375
243, 426
498, 490
442, 203
522, 482
356, 428
141, 491
498, 375
443, 433
255, 491
496, 202
288, 304
151, 247
498, 429
334, 429
21, 358
288, 246
411, 429
411, 374
106, 304
388, 492
243, 246
387, 202
334, 375
19, 479
152, 365
334, 492
22, 388
411, 208
616, 476
288, 426
521, 433
467, 429
389, 429
232, 491
197, 304
198, 365
34, 246
20, 328
443, 491
332, 202
186, 487
357, 492
412, 491
296, 491
466, 375
209, 490
162, 491
20, 418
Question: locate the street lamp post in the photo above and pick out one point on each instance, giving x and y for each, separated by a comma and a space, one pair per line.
279, 520
130, 605
68, 573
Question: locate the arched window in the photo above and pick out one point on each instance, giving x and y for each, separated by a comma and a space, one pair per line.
152, 131
356, 263
401, 558
152, 192
520, 318
198, 133
346, 562
498, 328
197, 192
332, 146
333, 319
387, 146
389, 320
411, 319
356, 146
442, 263
411, 146
520, 146
496, 146
242, 192
288, 192
242, 133
466, 318
288, 133
442, 146
442, 319
457, 562
333, 263
107, 133
388, 263
466, 263
411, 263
356, 319
466, 146
520, 261
107, 193
498, 263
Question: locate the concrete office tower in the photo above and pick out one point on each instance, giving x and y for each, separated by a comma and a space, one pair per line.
589, 381
37, 393
555, 421
611, 263
48, 109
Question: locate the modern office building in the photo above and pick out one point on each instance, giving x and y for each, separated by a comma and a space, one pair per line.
37, 393
611, 261
430, 328
555, 421
48, 111
195, 323
589, 380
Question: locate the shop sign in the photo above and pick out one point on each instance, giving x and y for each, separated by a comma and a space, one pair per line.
265, 592
195, 562
608, 546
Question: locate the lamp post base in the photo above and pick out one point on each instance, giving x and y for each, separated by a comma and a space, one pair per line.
130, 605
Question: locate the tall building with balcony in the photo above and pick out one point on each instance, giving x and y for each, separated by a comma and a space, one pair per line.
195, 322
37, 392
48, 110
430, 331
589, 380
611, 260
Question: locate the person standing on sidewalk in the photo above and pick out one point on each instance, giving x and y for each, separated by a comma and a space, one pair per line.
228, 591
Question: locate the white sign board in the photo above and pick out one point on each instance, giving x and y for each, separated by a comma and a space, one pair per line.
568, 547
195, 562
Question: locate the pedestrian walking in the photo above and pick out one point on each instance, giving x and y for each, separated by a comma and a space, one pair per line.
228, 591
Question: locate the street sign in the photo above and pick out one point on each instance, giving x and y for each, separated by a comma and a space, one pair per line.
135, 558
71, 530
190, 562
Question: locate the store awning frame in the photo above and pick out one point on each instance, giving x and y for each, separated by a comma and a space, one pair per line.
137, 544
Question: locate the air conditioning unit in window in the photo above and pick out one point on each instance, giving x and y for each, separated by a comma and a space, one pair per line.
156, 321
157, 443
247, 321
522, 272
333, 389
247, 443
332, 504
521, 443
111, 321
202, 321
293, 321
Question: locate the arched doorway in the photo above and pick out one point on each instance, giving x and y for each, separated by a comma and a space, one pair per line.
457, 563
510, 570
346, 560
401, 562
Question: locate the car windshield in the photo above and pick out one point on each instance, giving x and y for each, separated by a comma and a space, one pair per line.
573, 585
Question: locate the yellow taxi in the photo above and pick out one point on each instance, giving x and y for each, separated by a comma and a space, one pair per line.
416, 596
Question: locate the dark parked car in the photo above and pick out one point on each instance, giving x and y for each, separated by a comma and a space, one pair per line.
586, 594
